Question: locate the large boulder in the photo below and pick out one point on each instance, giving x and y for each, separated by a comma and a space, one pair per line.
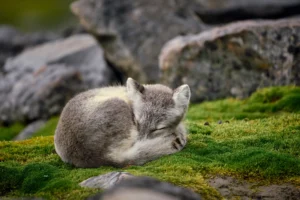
133, 32
38, 82
234, 60
222, 11
12, 41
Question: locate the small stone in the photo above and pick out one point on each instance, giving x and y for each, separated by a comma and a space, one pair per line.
220, 122
30, 130
206, 124
106, 181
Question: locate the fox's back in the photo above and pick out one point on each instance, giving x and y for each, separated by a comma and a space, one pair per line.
91, 124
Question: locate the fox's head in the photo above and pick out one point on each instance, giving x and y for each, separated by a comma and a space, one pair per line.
157, 108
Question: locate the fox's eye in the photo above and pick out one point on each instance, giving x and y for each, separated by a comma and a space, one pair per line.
162, 128
158, 129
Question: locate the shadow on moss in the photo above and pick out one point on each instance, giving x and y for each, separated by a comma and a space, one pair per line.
275, 99
10, 179
32, 178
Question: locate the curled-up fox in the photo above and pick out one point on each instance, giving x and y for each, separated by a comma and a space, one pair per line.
121, 126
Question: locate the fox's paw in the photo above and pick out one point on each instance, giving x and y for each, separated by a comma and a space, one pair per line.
179, 142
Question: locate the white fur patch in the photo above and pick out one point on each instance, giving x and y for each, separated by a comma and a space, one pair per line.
105, 94
108, 93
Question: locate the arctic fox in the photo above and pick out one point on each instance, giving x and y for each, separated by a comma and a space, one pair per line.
121, 126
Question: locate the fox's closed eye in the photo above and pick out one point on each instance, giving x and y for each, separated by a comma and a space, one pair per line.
158, 129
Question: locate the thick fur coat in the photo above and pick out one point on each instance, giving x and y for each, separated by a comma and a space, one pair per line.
122, 126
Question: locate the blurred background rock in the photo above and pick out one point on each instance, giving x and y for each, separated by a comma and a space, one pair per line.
35, 15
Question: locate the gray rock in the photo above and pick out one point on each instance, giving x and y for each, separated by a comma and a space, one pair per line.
234, 60
38, 82
220, 11
278, 192
30, 130
106, 181
12, 42
133, 32
145, 188
231, 188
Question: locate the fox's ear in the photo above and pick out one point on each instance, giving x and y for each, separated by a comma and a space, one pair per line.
134, 89
182, 95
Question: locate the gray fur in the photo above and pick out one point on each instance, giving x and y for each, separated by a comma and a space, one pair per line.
103, 133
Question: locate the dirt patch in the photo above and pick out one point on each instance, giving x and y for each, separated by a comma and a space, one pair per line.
231, 188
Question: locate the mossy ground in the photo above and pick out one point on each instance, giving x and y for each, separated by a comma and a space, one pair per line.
258, 140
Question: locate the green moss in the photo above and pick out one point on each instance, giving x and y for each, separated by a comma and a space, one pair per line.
10, 178
261, 104
290, 103
37, 175
8, 133
273, 94
257, 144
275, 99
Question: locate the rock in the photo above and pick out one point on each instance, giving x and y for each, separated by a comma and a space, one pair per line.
224, 11
234, 60
133, 32
30, 129
38, 94
12, 42
145, 188
278, 192
40, 81
231, 188
106, 181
